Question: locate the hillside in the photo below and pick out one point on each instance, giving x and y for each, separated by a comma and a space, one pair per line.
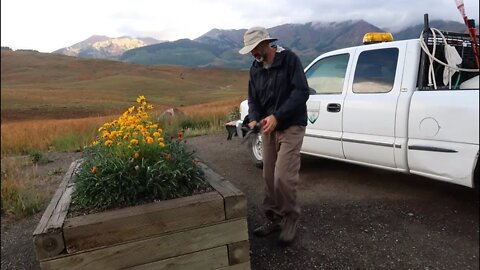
220, 47
57, 86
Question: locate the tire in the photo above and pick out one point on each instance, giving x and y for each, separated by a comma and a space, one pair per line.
476, 180
255, 150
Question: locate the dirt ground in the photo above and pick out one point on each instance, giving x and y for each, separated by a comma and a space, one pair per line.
353, 217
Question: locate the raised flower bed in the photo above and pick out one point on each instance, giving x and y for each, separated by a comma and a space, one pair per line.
204, 231
194, 231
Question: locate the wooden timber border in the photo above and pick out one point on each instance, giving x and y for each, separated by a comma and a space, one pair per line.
204, 231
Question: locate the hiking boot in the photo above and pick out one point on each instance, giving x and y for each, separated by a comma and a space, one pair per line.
267, 228
289, 231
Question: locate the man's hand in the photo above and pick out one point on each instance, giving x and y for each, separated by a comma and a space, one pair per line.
252, 124
269, 124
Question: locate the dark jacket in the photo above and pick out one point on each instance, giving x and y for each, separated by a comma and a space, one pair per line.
281, 90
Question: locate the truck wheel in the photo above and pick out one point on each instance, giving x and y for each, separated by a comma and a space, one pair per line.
255, 150
476, 179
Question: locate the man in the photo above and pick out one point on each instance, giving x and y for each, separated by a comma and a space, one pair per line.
277, 95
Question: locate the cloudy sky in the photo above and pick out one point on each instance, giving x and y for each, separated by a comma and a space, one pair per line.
48, 25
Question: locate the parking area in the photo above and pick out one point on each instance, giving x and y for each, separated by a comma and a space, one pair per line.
355, 217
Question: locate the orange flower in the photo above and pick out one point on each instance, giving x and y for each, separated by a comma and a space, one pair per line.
108, 142
134, 141
136, 155
93, 170
149, 140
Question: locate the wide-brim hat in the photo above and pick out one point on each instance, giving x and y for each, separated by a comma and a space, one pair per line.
253, 37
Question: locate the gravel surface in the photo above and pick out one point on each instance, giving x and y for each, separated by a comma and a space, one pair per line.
353, 217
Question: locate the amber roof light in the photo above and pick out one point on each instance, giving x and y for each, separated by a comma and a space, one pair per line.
372, 37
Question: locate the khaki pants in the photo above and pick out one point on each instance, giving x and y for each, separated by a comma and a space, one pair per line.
281, 164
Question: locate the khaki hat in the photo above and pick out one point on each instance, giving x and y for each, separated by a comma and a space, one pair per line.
253, 37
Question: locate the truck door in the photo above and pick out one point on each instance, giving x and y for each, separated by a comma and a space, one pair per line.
371, 105
327, 80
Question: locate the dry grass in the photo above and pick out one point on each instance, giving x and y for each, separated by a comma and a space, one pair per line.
21, 195
25, 136
221, 107
22, 137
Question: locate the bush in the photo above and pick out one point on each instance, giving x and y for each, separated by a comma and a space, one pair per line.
132, 162
234, 114
35, 156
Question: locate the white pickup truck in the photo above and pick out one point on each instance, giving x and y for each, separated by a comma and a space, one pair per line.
386, 105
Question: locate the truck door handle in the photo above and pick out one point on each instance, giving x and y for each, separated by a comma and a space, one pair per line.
333, 107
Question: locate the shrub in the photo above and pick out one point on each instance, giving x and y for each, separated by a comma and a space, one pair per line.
132, 161
234, 114
35, 156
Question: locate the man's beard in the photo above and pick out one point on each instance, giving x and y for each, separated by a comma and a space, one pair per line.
259, 59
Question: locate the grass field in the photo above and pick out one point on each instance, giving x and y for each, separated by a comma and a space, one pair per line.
48, 86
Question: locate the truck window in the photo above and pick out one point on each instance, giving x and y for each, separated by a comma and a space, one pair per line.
328, 74
375, 71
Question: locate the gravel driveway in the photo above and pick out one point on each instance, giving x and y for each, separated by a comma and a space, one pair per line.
356, 217
353, 217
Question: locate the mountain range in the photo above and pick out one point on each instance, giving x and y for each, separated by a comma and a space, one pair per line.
219, 48
104, 47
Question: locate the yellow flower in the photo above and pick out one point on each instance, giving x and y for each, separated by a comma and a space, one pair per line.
127, 136
162, 145
94, 142
156, 134
100, 129
106, 134
140, 99
130, 110
119, 143
108, 142
93, 170
134, 141
149, 140
136, 155
161, 139
149, 107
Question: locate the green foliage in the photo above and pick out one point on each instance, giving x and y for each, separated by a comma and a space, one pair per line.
72, 141
133, 162
234, 114
35, 156
106, 179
